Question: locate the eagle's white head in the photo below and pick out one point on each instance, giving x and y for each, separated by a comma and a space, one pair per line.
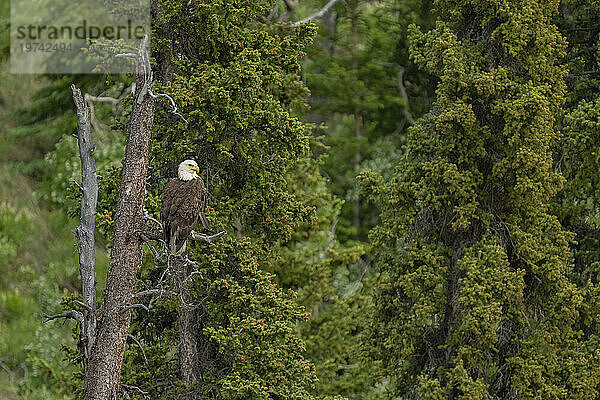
188, 170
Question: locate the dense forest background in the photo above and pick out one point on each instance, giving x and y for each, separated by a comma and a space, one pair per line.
410, 190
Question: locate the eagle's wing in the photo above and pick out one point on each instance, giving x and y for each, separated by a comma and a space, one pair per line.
202, 200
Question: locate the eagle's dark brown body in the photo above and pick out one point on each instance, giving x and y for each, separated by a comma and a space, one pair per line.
183, 204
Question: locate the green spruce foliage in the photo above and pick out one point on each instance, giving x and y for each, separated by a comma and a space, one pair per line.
477, 298
366, 92
576, 154
236, 81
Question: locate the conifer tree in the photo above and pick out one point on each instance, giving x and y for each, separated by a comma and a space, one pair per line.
236, 81
477, 297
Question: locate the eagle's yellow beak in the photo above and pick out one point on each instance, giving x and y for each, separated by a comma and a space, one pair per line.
195, 168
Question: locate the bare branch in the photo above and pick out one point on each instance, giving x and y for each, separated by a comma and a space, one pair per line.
173, 105
152, 292
130, 336
139, 305
126, 55
155, 253
145, 62
319, 14
82, 304
89, 98
93, 119
402, 89
131, 387
150, 218
206, 238
73, 314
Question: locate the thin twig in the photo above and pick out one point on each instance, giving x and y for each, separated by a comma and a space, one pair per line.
173, 105
151, 292
73, 314
139, 345
150, 218
155, 253
82, 304
139, 305
131, 387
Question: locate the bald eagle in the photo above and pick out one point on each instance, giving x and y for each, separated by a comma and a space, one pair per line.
183, 204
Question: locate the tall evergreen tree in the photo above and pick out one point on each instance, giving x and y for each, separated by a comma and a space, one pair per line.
236, 81
476, 298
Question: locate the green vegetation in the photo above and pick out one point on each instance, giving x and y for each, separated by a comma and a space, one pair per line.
409, 188
479, 294
38, 267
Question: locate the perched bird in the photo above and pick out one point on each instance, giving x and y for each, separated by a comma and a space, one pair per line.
183, 204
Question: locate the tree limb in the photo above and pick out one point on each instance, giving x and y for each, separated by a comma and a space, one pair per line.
402, 90
130, 336
90, 100
146, 88
151, 292
137, 389
73, 314
319, 14
150, 218
101, 99
82, 304
155, 253
206, 238
173, 105
138, 305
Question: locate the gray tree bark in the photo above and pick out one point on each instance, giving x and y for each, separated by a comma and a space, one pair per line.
104, 366
85, 231
187, 327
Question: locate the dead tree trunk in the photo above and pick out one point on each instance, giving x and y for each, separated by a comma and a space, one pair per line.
187, 327
104, 366
85, 231
189, 321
